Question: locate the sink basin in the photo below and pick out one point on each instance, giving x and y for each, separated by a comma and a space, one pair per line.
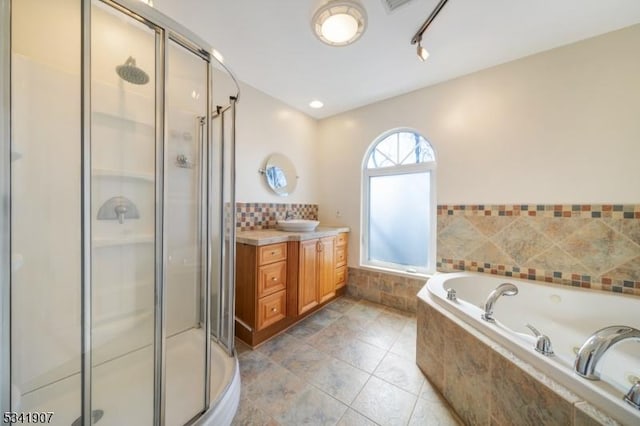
297, 225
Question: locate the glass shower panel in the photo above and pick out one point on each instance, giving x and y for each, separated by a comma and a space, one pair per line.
45, 207
123, 152
186, 97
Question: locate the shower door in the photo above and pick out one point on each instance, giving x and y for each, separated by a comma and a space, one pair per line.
126, 228
114, 212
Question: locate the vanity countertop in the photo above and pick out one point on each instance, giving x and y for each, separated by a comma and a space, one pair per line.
271, 236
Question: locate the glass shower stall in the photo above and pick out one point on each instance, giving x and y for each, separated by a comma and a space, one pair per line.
117, 176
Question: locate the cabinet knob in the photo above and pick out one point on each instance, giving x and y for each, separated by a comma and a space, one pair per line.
274, 310
274, 279
273, 253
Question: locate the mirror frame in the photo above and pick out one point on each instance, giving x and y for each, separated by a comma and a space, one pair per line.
280, 174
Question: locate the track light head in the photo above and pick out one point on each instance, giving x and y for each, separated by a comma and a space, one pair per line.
422, 52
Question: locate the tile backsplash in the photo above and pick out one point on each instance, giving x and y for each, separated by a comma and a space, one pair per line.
590, 246
254, 216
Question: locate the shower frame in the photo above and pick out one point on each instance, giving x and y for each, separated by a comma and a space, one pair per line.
166, 30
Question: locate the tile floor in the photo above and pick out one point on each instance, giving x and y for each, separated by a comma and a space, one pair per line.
351, 363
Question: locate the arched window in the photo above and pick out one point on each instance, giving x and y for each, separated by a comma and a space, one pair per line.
399, 203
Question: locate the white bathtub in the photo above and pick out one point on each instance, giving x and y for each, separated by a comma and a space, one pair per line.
568, 316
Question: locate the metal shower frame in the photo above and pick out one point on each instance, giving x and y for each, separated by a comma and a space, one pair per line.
165, 29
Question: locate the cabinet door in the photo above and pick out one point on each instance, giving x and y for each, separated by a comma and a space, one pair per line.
307, 276
326, 268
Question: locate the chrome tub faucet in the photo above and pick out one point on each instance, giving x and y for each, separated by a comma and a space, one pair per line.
597, 345
504, 289
543, 343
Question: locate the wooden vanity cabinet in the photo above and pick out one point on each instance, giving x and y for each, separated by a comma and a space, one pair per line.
279, 284
316, 273
261, 291
341, 260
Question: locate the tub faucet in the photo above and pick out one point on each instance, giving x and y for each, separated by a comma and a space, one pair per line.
506, 289
543, 343
288, 215
597, 345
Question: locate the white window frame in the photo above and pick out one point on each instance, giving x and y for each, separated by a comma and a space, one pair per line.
425, 167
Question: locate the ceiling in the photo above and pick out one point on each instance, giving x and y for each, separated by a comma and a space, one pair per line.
270, 44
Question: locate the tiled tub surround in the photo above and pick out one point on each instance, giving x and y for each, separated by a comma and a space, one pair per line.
589, 246
388, 289
566, 316
255, 216
487, 384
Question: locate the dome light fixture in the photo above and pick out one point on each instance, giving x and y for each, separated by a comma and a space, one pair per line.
339, 23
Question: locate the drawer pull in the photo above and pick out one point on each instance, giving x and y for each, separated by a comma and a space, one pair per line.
274, 279
272, 253
274, 310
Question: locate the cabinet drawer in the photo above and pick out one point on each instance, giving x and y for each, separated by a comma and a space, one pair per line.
272, 309
272, 278
341, 276
272, 253
341, 239
341, 256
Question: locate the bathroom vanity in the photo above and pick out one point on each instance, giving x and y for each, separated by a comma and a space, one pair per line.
282, 277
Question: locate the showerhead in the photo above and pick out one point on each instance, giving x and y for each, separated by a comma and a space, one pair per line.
131, 73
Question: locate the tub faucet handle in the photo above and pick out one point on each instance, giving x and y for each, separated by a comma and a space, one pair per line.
543, 343
451, 294
633, 396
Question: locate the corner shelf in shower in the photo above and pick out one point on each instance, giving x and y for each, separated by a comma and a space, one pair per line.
123, 174
123, 241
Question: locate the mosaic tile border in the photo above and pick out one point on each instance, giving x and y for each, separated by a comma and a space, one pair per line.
614, 211
255, 216
623, 212
555, 277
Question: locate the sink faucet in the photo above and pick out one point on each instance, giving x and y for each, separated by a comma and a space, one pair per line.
597, 345
506, 289
288, 215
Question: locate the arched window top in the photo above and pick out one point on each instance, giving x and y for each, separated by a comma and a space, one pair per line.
400, 148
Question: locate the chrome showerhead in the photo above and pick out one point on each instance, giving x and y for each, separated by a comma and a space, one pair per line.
131, 73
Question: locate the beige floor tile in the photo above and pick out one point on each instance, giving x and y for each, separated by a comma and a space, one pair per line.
252, 365
304, 361
397, 371
279, 347
310, 374
275, 390
304, 329
385, 403
428, 413
342, 304
313, 407
362, 355
339, 379
353, 418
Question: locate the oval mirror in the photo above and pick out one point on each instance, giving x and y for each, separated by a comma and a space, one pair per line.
280, 174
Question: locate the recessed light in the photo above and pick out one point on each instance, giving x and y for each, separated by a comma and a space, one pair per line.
339, 23
316, 104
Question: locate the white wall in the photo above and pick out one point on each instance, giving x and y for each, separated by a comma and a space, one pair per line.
266, 126
557, 127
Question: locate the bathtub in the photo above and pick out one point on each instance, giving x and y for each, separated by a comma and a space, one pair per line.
567, 315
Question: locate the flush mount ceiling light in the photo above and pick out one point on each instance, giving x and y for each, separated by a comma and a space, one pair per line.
316, 104
339, 23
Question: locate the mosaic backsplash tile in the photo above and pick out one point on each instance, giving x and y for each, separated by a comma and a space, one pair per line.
590, 246
254, 216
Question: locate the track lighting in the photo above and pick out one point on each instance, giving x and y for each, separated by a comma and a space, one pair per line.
417, 38
422, 52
